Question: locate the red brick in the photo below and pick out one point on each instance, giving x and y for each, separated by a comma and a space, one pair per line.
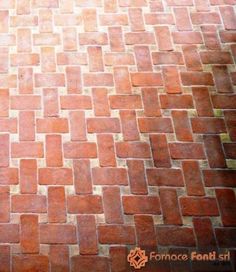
53, 144
216, 57
175, 236
151, 102
172, 80
56, 205
82, 177
226, 237
106, 151
23, 40
187, 151
46, 39
55, 176
110, 6
75, 102
137, 178
119, 58
227, 205
187, 37
103, 125
165, 177
116, 234
67, 20
170, 207
192, 58
59, 258
211, 40
4, 55
21, 263
229, 149
132, 150
52, 125
204, 233
71, 58
129, 125
23, 20
196, 78
25, 102
199, 18
4, 103
50, 102
76, 150
116, 39
224, 101
229, 17
25, 79
23, 7
134, 38
45, 4
182, 126
48, 61
93, 38
118, 255
224, 178
193, 179
87, 234
8, 176
160, 151
145, 231
122, 80
202, 102
109, 176
167, 58
230, 118
57, 234
28, 176
100, 102
98, 79
182, 19
143, 58
89, 19
49, 80
4, 150
214, 151
69, 39
227, 36
222, 79
195, 206
141, 204
132, 3
24, 59
8, 125
26, 126
163, 38
77, 126
176, 101
113, 19
136, 19
112, 205
89, 263
28, 203
95, 59
4, 204
202, 5
5, 258
125, 102
84, 204
207, 125
29, 234
159, 19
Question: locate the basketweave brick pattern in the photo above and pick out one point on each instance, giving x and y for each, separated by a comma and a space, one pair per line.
117, 129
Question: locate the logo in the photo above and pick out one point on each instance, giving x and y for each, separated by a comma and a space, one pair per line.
137, 258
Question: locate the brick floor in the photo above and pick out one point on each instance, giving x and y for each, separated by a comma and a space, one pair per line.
117, 130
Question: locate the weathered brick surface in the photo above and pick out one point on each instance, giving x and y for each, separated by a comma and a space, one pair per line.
117, 129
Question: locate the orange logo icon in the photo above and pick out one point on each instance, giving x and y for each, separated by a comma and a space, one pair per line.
137, 258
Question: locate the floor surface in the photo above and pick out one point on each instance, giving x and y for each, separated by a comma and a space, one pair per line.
117, 131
